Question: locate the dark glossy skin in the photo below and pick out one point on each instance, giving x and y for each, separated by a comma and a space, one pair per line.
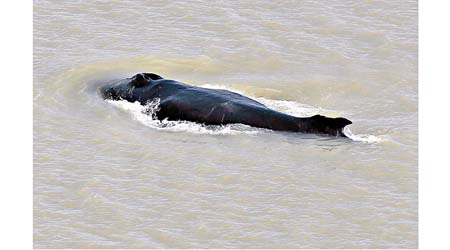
179, 101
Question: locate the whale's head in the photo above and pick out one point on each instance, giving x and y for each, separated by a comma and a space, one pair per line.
130, 89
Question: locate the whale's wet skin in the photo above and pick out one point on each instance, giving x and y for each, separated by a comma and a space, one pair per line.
178, 101
107, 174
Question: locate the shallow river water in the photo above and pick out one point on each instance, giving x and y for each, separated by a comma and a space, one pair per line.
108, 176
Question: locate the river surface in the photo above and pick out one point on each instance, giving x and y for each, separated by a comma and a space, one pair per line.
108, 176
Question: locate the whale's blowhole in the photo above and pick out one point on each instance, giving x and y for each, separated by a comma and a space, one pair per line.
139, 80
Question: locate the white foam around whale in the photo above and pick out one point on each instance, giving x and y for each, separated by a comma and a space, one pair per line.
362, 137
144, 114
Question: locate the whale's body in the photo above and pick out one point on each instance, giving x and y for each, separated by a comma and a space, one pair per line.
179, 101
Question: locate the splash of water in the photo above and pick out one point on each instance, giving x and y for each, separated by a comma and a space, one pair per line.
362, 137
145, 114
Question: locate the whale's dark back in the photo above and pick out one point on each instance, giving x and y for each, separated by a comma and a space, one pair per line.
179, 101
